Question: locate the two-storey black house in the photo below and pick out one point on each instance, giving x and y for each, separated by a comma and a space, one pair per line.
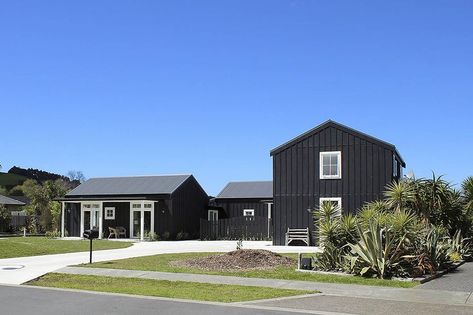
331, 162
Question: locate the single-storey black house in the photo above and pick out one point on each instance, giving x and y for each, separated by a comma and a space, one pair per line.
18, 215
240, 210
238, 199
331, 162
141, 204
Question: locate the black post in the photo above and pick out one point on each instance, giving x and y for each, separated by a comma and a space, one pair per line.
90, 261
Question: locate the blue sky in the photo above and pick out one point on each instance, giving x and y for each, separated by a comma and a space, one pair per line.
210, 87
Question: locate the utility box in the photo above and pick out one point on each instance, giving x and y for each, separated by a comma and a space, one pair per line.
306, 263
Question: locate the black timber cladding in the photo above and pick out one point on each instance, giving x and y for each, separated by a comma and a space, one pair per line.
367, 166
179, 202
238, 196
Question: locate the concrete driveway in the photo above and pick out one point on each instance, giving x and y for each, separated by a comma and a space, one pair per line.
23, 269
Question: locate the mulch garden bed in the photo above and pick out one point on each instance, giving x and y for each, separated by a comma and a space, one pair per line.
239, 260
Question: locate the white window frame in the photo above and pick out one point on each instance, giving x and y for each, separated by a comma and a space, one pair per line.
248, 212
336, 199
339, 165
213, 212
109, 217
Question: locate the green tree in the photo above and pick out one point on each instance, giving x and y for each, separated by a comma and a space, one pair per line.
44, 211
467, 190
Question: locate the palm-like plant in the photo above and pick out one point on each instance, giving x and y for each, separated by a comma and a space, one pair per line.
399, 194
467, 188
327, 222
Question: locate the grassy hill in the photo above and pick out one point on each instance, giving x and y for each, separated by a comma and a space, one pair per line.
11, 180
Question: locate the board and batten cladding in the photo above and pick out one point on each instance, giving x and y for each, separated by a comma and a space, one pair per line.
366, 168
234, 208
188, 204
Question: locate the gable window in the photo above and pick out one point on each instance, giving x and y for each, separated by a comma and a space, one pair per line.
248, 212
109, 213
337, 202
331, 165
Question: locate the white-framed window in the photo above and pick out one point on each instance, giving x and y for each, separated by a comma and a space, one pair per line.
90, 205
213, 215
337, 202
109, 213
248, 212
148, 205
136, 205
331, 165
395, 167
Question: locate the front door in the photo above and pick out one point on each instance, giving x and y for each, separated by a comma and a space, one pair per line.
90, 217
142, 217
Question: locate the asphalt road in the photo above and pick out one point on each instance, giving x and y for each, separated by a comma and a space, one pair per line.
38, 301
459, 280
367, 306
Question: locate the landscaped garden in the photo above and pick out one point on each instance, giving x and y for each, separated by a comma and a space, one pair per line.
32, 246
423, 226
239, 263
161, 288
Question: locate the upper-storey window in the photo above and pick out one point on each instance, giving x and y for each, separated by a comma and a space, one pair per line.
331, 165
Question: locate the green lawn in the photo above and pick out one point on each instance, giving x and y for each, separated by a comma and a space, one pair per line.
161, 263
161, 288
31, 246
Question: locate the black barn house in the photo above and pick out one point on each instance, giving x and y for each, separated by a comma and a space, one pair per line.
141, 204
242, 210
245, 199
330, 162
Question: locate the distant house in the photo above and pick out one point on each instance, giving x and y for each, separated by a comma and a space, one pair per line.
18, 215
253, 198
240, 210
139, 205
331, 162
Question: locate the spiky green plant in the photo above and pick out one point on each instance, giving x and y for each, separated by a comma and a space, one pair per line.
467, 189
399, 194
377, 251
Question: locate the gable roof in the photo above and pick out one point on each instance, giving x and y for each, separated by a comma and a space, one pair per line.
247, 190
4, 200
133, 185
331, 123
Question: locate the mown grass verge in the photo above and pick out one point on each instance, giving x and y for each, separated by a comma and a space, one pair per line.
161, 288
32, 246
162, 263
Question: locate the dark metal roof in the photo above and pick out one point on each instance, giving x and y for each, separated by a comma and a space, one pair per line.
108, 198
135, 185
4, 200
331, 123
247, 190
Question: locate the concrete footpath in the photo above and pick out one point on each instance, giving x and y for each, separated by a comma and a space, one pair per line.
23, 269
346, 290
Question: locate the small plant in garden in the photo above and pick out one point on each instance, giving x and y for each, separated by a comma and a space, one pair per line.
239, 244
166, 236
52, 234
152, 236
182, 236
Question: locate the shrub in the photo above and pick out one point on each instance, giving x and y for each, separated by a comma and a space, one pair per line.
152, 236
182, 236
166, 236
330, 259
377, 251
53, 234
